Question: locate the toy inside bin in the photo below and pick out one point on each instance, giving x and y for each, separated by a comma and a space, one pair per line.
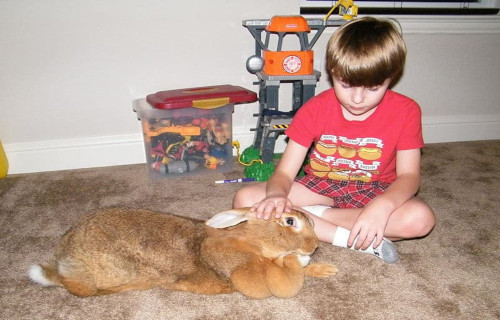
189, 131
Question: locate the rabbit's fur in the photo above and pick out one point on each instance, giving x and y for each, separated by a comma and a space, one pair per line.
116, 250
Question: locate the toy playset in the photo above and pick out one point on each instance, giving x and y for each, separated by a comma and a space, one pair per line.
274, 68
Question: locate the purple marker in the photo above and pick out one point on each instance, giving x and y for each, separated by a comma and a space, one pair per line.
236, 180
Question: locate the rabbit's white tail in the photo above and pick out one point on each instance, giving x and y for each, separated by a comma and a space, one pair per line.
46, 275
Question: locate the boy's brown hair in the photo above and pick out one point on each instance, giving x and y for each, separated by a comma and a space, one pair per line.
365, 52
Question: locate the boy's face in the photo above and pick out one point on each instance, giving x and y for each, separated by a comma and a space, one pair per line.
359, 101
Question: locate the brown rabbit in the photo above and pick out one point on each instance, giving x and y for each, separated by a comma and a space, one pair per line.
116, 250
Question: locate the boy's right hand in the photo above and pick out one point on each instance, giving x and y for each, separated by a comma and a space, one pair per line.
279, 184
265, 208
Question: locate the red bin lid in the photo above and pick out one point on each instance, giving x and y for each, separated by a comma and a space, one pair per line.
201, 97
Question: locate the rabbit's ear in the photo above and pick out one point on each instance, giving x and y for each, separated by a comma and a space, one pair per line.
229, 218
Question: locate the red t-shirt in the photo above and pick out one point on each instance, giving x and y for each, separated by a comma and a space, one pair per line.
356, 150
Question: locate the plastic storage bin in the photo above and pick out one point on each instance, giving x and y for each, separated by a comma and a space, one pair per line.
189, 131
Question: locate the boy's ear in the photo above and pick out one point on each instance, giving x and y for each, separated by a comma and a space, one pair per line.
230, 218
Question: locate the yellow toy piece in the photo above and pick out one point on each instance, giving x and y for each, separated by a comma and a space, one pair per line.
212, 162
236, 144
348, 10
182, 130
4, 164
186, 140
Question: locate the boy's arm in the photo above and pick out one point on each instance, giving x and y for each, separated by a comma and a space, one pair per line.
373, 219
279, 184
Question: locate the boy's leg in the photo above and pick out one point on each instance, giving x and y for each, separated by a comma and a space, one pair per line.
385, 251
414, 219
248, 195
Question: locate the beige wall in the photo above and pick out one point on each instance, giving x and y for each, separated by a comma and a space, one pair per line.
70, 70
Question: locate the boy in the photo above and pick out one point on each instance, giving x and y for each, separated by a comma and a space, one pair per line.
364, 168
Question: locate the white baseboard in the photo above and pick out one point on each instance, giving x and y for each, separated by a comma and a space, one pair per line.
67, 154
129, 149
461, 128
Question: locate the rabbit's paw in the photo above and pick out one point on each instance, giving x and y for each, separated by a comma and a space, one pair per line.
320, 270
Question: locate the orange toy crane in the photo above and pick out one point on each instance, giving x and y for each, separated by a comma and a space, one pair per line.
298, 62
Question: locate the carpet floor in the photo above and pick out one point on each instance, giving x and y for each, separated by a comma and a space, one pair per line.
453, 273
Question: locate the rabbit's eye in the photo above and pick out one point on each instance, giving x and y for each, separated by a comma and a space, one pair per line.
290, 221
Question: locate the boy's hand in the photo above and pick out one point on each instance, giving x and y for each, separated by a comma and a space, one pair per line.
370, 226
265, 208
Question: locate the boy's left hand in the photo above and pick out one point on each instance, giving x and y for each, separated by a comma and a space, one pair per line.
370, 225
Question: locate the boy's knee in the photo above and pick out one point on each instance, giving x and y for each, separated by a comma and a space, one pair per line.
420, 222
237, 200
242, 199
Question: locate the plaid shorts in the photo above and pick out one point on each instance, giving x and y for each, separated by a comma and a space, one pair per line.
345, 194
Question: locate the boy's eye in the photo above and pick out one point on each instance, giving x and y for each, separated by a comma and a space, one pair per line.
344, 84
374, 88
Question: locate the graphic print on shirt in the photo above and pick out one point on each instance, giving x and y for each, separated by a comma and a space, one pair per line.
342, 158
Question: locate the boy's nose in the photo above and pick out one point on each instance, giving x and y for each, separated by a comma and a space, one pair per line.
358, 94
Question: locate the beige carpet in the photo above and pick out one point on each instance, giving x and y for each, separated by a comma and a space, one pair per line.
451, 274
